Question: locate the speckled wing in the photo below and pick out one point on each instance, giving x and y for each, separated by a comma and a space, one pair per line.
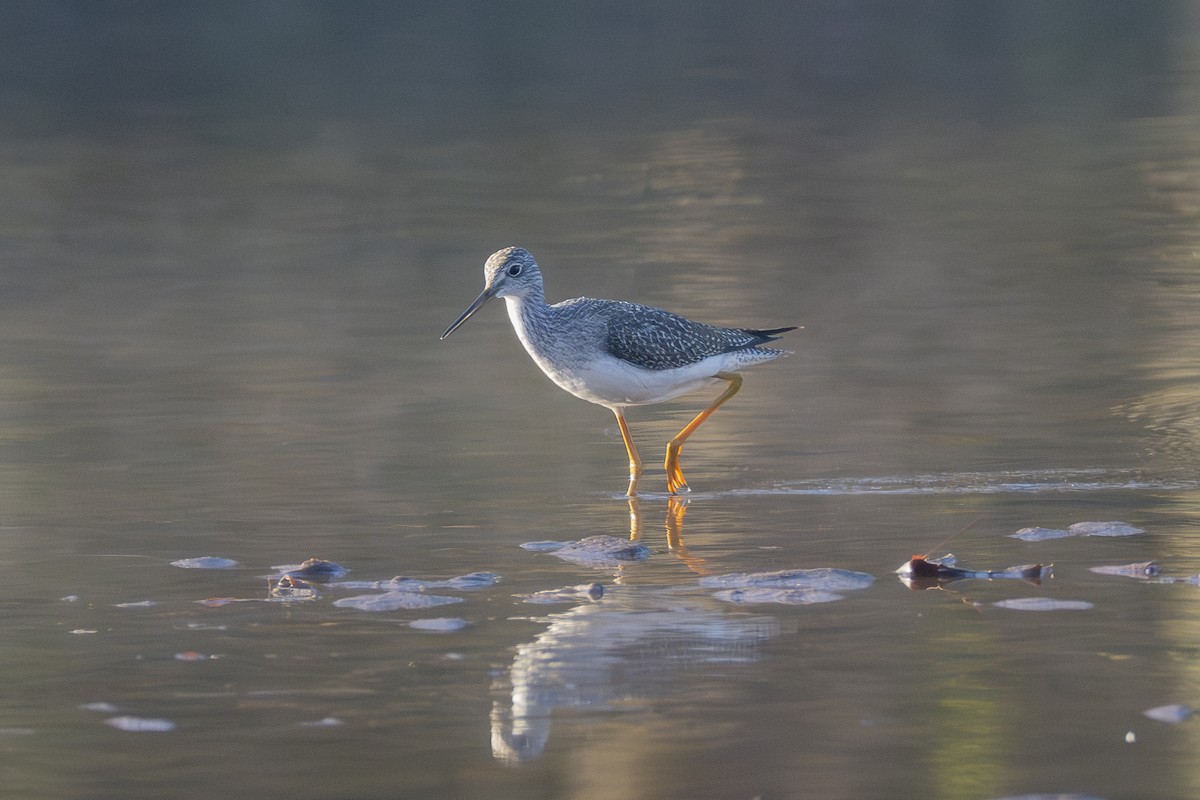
656, 339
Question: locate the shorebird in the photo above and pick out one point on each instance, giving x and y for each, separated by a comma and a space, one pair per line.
619, 354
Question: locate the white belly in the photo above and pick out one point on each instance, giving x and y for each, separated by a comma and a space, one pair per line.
613, 383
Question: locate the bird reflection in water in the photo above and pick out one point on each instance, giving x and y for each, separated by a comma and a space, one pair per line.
635, 643
676, 510
632, 642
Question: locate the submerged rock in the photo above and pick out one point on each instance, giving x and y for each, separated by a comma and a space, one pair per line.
205, 562
567, 594
793, 587
315, 569
1112, 528
439, 624
1144, 569
594, 551
393, 601
1043, 604
754, 595
821, 578
290, 587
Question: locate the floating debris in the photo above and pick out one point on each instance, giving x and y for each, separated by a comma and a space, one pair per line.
1143, 569
474, 580
137, 604
439, 624
312, 569
192, 655
567, 594
140, 724
1043, 604
205, 562
821, 578
1113, 528
922, 572
753, 595
392, 601
1171, 714
594, 551
1050, 797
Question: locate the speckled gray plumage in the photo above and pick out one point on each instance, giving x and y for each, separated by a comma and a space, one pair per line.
571, 334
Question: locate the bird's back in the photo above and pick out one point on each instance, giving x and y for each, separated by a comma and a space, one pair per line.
655, 339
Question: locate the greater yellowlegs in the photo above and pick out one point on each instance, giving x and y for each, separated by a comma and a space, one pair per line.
618, 354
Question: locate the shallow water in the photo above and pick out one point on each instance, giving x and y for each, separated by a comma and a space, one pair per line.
231, 241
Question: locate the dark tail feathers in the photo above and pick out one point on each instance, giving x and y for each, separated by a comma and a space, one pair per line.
767, 334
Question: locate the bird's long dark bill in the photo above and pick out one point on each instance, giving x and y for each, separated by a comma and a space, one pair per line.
484, 296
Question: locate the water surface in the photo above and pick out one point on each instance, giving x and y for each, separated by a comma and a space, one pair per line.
231, 239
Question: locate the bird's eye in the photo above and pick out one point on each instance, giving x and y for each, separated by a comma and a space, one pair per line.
514, 270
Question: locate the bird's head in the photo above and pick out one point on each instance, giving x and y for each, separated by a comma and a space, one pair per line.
510, 272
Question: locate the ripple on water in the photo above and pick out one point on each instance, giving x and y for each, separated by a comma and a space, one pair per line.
1001, 482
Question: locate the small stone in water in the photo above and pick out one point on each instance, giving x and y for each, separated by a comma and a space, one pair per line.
318, 569
140, 724
1176, 712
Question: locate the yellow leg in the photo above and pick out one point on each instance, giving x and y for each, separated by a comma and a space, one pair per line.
635, 519
635, 461
676, 508
675, 481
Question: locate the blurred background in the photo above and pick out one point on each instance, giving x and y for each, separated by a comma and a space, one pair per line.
230, 235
